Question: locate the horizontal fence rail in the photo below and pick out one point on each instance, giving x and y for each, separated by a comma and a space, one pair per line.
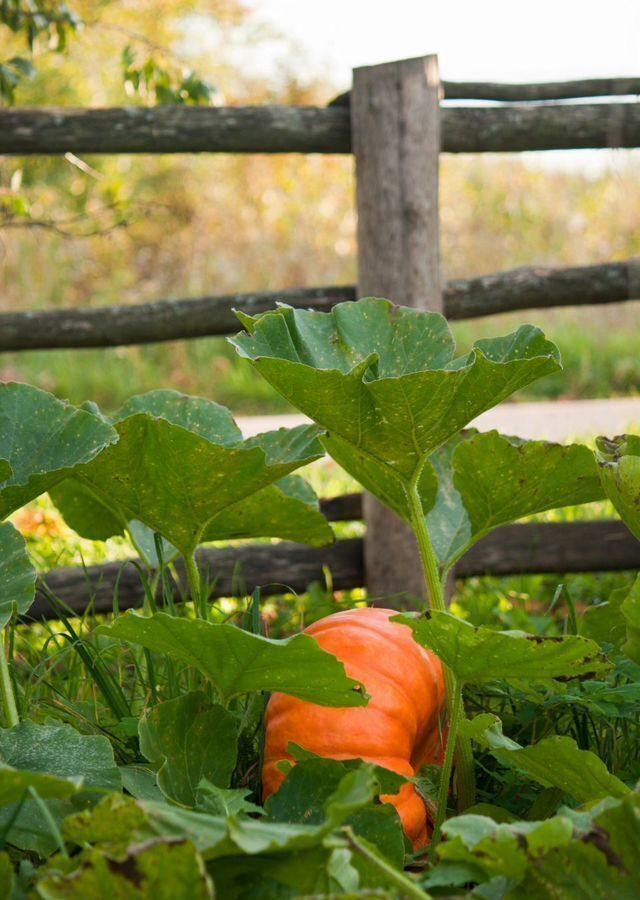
297, 129
534, 287
547, 547
539, 92
146, 323
546, 90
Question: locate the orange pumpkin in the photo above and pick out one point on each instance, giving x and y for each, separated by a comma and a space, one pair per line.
400, 728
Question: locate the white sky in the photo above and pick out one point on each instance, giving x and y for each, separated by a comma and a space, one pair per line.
476, 40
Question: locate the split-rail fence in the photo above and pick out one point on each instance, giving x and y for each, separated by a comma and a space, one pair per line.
396, 126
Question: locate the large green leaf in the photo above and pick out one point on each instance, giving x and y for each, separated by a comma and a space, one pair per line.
182, 469
176, 482
578, 871
383, 381
201, 416
480, 654
89, 513
17, 574
15, 784
117, 820
53, 750
140, 781
85, 511
189, 739
558, 762
324, 871
303, 796
217, 838
617, 622
620, 472
621, 823
288, 509
237, 662
630, 608
43, 440
164, 870
502, 849
319, 872
579, 856
488, 480
248, 857
555, 761
313, 778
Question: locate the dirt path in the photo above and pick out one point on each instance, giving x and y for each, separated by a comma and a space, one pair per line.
561, 420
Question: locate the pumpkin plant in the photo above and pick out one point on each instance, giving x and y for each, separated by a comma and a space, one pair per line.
166, 445
42, 441
619, 466
557, 855
384, 384
180, 468
619, 462
189, 821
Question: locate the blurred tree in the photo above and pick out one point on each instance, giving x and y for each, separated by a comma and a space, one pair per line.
160, 199
34, 23
149, 70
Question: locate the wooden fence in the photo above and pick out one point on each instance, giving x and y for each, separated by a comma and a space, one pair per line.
287, 567
394, 123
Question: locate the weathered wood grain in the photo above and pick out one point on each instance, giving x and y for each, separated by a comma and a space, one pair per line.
175, 129
511, 129
533, 287
396, 143
541, 91
285, 129
542, 287
528, 92
553, 547
146, 323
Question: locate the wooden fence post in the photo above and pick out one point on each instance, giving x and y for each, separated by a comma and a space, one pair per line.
395, 121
